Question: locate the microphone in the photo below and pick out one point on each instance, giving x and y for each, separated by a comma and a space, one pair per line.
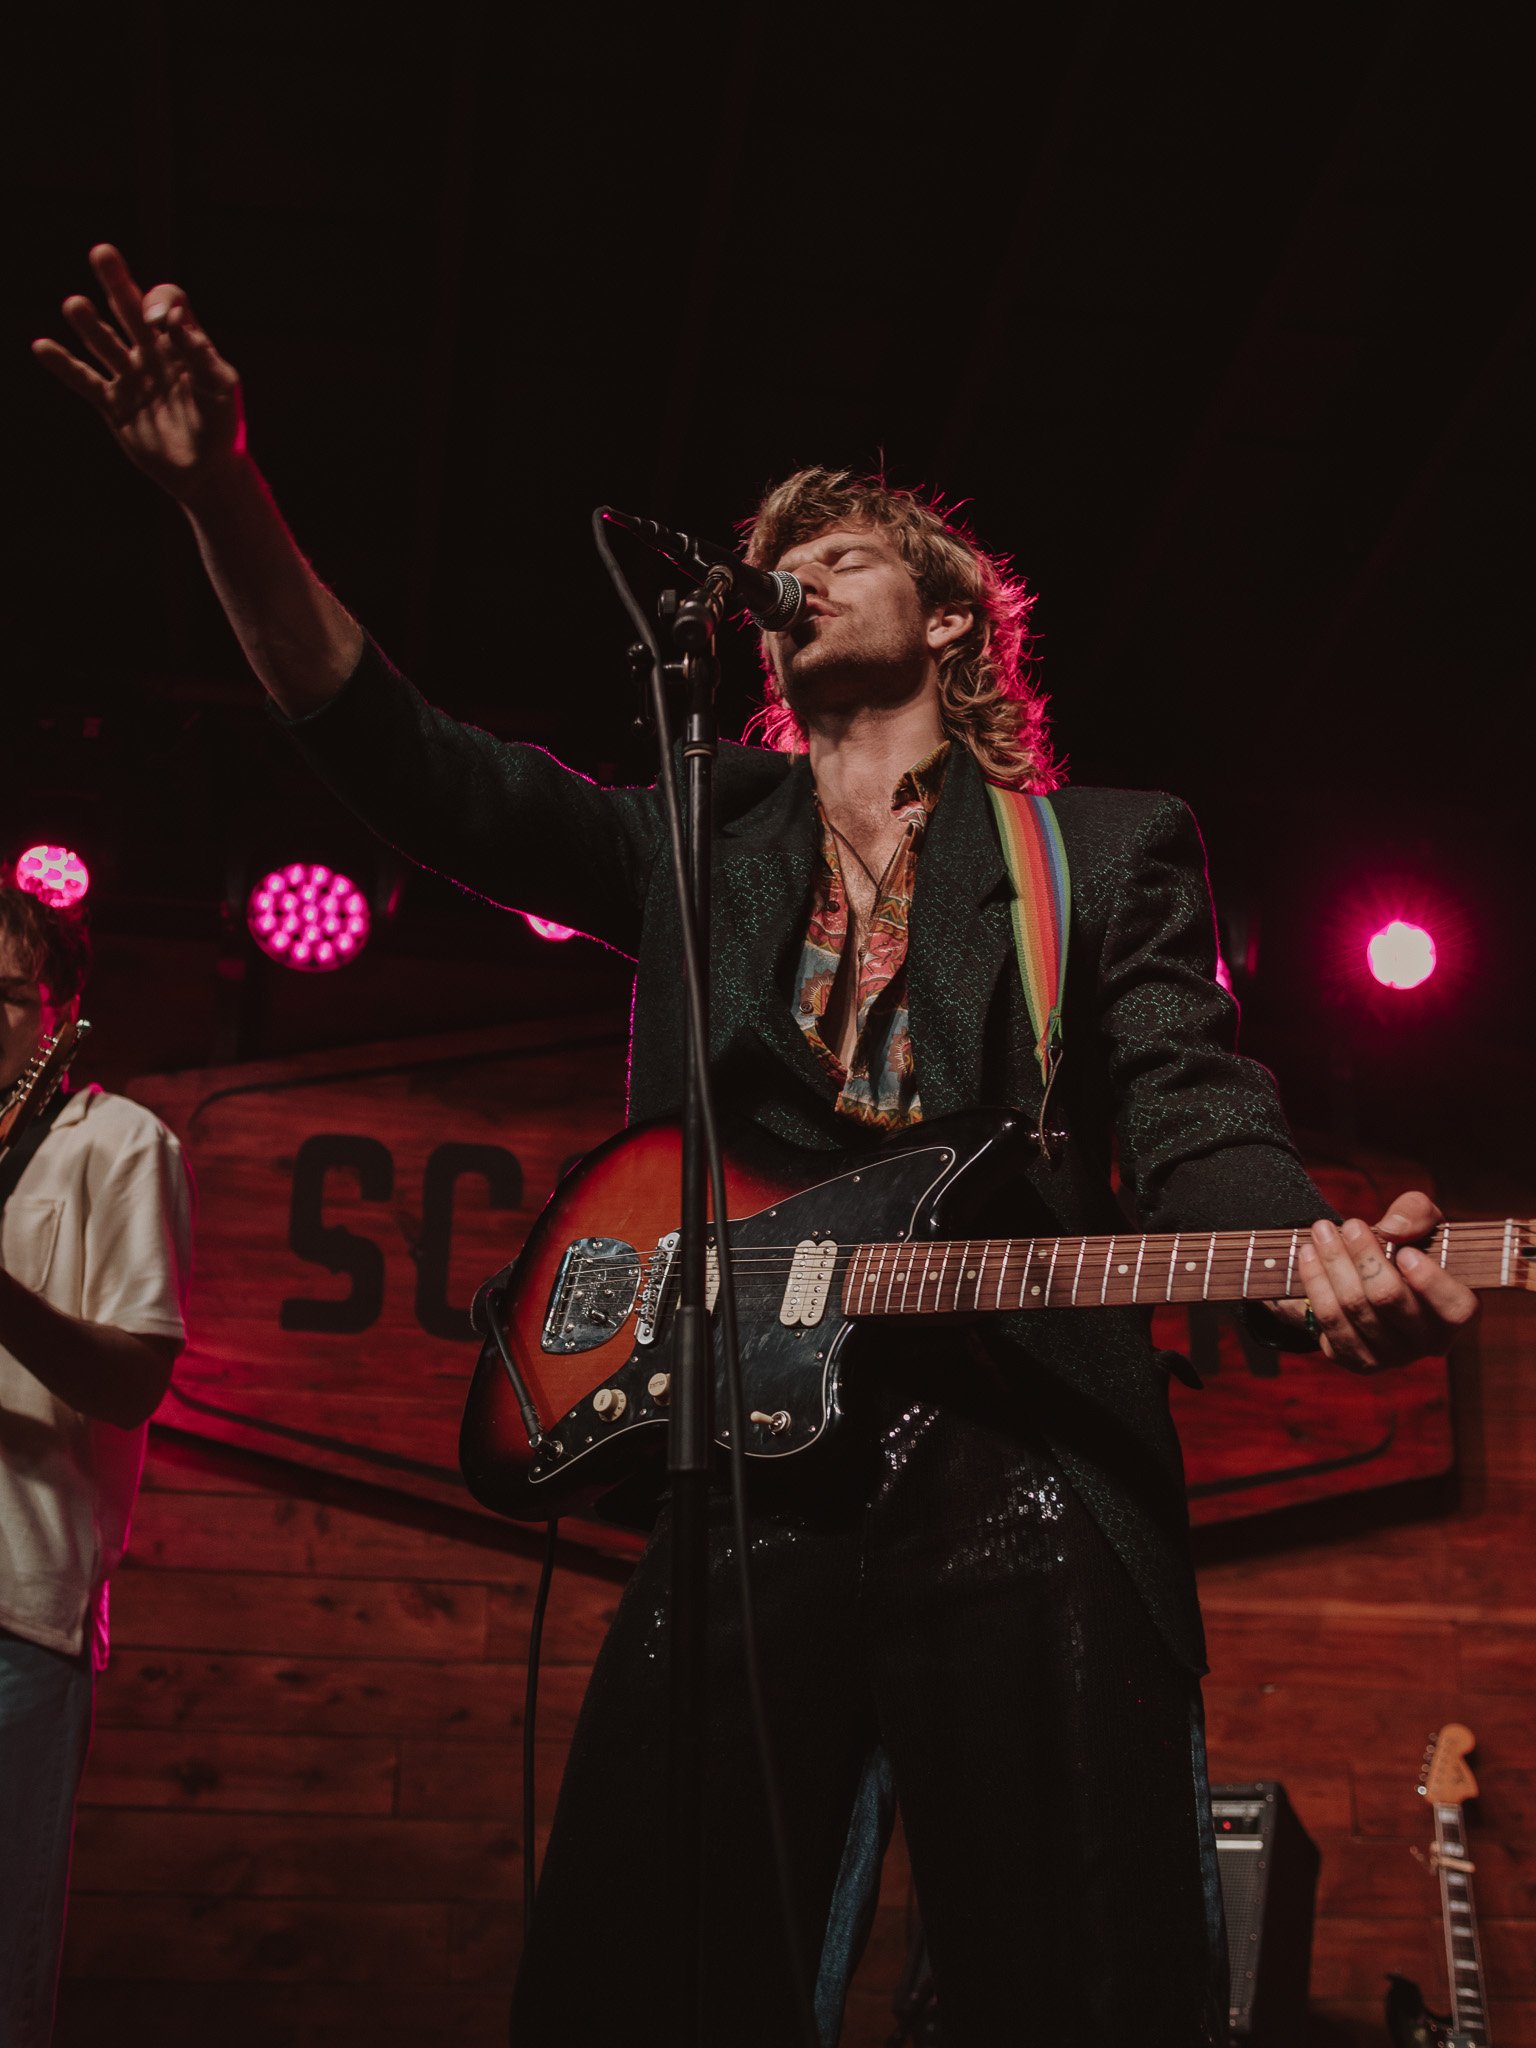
774, 599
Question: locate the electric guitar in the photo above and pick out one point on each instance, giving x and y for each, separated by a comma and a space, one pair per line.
573, 1380
40, 1080
1446, 1782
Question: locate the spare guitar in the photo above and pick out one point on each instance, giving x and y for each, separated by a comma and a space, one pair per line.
1447, 1783
40, 1082
572, 1383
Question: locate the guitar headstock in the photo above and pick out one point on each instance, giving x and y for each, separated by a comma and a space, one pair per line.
44, 1071
1444, 1778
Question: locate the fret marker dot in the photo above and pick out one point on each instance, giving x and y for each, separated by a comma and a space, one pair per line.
1122, 1269
1269, 1262
1036, 1288
1189, 1265
970, 1276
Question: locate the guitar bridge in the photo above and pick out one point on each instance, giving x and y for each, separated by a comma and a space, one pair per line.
657, 1275
594, 1291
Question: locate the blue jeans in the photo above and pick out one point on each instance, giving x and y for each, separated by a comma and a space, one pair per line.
45, 1731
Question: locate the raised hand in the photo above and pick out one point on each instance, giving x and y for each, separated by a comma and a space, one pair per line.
169, 399
1375, 1300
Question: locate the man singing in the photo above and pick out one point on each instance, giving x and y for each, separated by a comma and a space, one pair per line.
987, 1602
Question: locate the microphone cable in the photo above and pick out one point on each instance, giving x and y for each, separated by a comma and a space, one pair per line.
530, 1713
488, 1304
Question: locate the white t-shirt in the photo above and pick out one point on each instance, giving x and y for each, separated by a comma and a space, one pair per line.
100, 1225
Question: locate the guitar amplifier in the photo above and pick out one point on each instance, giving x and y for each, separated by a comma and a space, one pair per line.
1268, 1866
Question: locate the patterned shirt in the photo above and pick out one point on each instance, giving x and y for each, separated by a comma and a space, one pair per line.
879, 1086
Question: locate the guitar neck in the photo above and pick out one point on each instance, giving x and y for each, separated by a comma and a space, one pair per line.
1463, 1957
972, 1275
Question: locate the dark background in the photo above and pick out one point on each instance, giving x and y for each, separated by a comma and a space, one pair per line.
1218, 321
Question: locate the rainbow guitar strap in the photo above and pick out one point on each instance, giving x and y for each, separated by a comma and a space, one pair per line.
1041, 912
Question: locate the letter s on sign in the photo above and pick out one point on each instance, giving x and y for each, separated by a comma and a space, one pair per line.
332, 1245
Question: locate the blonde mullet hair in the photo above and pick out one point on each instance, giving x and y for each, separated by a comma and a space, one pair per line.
986, 696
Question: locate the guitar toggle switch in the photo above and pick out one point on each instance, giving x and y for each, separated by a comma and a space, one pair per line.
778, 1421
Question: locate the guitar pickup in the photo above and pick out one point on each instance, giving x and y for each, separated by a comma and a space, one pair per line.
810, 1282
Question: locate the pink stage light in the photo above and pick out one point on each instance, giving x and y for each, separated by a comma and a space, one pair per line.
546, 928
308, 917
1401, 955
54, 873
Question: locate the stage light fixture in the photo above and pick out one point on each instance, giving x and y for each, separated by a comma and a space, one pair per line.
309, 917
55, 873
1401, 955
546, 928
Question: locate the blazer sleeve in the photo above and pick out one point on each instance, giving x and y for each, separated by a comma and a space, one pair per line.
507, 821
1203, 1141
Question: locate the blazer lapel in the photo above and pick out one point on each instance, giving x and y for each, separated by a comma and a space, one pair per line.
764, 862
960, 939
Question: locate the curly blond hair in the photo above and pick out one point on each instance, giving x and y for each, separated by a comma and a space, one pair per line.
986, 697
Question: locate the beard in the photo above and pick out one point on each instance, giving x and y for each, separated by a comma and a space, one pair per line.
839, 666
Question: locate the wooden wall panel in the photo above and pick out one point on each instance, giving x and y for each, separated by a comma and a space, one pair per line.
276, 2014
350, 1204
1334, 1658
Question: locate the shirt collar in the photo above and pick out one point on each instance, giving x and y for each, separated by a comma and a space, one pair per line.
77, 1102
923, 783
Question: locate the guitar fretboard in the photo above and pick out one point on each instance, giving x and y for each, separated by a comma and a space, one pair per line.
974, 1275
1463, 1958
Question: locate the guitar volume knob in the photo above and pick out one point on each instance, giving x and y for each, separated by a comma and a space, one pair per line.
659, 1386
609, 1403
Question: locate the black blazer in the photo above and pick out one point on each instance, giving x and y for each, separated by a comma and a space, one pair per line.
1150, 1066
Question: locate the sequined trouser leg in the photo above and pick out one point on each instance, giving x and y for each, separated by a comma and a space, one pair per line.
953, 1602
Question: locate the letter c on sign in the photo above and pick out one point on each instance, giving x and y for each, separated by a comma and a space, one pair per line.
503, 1177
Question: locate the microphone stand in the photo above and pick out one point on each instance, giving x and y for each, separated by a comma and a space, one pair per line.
695, 622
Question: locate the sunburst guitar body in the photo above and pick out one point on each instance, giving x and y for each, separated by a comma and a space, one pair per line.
572, 1389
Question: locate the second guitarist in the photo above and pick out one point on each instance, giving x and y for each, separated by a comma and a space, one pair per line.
95, 1241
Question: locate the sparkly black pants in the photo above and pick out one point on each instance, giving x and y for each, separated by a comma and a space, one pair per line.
941, 1600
